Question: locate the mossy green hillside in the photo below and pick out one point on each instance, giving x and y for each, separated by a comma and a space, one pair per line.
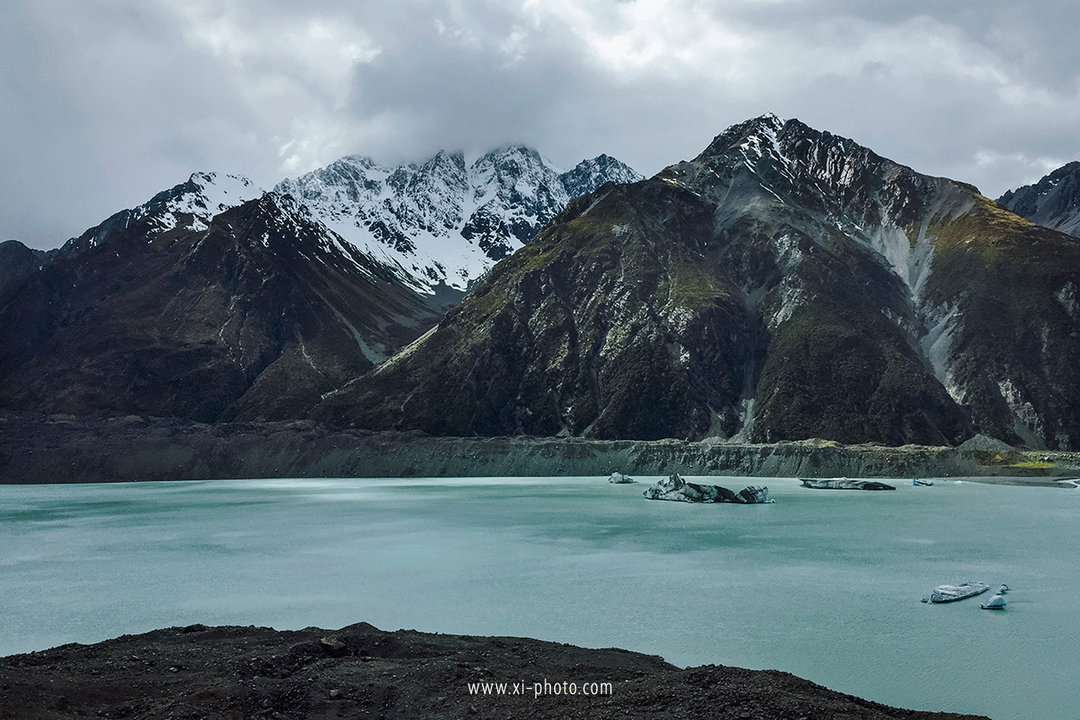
1004, 278
835, 373
605, 324
757, 271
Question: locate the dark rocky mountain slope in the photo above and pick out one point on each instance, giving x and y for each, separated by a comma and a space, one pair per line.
1054, 201
786, 283
18, 262
215, 301
176, 308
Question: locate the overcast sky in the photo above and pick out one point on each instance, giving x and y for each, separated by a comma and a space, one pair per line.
105, 102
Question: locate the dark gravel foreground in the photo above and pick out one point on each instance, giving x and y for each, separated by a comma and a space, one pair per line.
229, 673
64, 449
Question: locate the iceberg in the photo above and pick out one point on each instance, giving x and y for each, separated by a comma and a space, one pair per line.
844, 484
952, 593
677, 489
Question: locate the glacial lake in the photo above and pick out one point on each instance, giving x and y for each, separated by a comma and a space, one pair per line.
823, 584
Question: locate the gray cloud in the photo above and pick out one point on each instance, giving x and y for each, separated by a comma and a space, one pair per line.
104, 103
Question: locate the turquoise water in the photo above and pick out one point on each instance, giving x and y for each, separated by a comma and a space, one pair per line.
823, 584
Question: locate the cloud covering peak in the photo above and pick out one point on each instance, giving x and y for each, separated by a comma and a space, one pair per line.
111, 102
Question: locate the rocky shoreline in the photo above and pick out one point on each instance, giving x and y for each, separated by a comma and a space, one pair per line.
359, 671
65, 449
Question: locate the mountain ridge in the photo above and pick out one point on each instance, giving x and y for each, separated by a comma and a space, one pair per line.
260, 307
1054, 201
785, 284
249, 313
442, 222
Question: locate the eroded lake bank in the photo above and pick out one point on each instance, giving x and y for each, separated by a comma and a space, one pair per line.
52, 449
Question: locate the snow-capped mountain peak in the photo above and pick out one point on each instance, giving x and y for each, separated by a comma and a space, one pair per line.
191, 205
751, 139
443, 222
194, 203
217, 193
588, 175
203, 196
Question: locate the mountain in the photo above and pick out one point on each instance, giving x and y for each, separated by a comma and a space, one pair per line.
1054, 201
443, 223
18, 262
211, 301
191, 204
785, 284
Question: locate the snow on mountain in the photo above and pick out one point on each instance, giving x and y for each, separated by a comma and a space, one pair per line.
437, 225
188, 206
192, 204
591, 174
203, 196
443, 222
254, 316
842, 187
216, 300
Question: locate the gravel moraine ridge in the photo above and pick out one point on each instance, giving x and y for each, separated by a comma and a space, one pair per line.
361, 672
